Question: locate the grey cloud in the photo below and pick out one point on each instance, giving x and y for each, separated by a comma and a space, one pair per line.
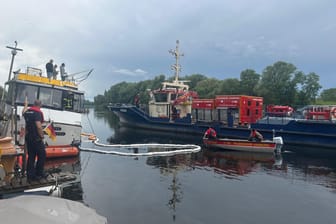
218, 38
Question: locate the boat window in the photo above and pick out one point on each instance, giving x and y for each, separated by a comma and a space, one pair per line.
160, 97
23, 91
200, 114
208, 115
73, 101
78, 103
67, 101
222, 114
50, 97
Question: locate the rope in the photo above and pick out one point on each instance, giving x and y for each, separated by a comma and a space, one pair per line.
179, 149
87, 116
87, 135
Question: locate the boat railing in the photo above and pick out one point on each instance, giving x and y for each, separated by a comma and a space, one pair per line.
275, 120
35, 75
120, 105
34, 71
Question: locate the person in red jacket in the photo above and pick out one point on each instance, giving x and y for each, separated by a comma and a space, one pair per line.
137, 100
210, 133
34, 140
255, 136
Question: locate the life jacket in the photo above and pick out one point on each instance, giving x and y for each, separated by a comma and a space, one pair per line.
37, 109
32, 115
211, 132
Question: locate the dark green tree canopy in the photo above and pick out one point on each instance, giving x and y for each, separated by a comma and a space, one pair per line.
329, 95
277, 83
249, 80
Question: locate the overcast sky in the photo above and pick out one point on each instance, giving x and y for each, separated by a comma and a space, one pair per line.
128, 40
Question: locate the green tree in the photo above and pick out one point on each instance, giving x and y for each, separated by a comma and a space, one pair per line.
249, 80
194, 79
309, 90
122, 92
208, 88
328, 95
278, 83
100, 101
229, 86
156, 83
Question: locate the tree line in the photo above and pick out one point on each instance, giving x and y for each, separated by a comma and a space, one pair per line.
279, 84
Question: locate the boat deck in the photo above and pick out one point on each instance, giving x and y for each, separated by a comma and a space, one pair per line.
21, 184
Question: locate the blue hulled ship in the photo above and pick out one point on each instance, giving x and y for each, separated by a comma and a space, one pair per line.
176, 109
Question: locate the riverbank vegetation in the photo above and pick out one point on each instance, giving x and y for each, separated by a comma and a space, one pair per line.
280, 84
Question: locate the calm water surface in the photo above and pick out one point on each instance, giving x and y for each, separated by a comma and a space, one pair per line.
205, 187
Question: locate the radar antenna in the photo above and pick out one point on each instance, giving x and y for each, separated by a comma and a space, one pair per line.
176, 67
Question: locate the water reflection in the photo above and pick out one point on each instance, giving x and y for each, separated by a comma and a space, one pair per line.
106, 116
213, 183
232, 164
125, 135
320, 171
69, 164
170, 167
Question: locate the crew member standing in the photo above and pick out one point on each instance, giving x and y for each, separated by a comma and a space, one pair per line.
55, 72
62, 71
50, 69
34, 141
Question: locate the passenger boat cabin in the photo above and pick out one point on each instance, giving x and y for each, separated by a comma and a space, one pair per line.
54, 94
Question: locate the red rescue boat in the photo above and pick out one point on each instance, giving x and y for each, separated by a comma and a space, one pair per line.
245, 145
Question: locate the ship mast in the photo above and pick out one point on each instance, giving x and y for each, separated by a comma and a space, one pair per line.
14, 52
176, 67
13, 108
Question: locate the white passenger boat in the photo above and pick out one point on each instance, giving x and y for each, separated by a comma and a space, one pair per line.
62, 105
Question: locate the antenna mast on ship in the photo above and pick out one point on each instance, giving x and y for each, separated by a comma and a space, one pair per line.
14, 52
176, 67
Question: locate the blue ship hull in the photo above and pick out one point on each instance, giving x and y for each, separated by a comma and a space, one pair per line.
298, 135
303, 135
132, 116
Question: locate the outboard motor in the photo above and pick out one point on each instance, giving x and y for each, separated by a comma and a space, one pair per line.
279, 143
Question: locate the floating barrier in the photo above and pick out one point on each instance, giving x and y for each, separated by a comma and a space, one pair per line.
160, 149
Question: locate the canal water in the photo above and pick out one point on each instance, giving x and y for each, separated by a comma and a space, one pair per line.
205, 187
